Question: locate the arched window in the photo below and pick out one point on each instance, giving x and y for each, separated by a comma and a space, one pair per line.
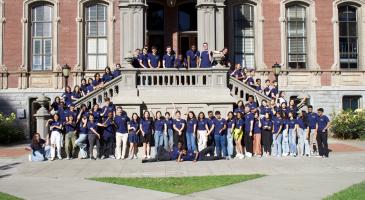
156, 25
296, 36
96, 55
244, 36
41, 37
348, 37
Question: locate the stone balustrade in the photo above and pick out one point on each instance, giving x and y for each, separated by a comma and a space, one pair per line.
241, 91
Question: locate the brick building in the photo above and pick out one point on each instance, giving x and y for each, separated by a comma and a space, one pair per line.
319, 43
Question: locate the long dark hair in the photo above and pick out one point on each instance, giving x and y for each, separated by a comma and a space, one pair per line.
201, 113
191, 112
135, 114
107, 68
34, 138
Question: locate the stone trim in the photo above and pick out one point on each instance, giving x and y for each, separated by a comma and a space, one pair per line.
258, 30
360, 4
80, 66
3, 68
311, 21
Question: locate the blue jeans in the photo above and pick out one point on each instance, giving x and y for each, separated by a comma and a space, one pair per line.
158, 140
81, 141
168, 139
230, 142
220, 144
285, 142
40, 155
190, 141
292, 142
303, 143
277, 144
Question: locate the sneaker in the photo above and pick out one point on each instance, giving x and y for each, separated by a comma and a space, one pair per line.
118, 158
135, 156
112, 156
148, 157
52, 159
228, 157
130, 157
68, 158
102, 157
59, 157
242, 156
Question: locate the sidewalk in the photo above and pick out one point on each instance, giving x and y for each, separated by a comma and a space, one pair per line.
287, 178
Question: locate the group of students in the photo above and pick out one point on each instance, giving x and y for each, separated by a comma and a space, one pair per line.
272, 129
150, 58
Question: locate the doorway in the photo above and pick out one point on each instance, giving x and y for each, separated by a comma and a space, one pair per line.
186, 41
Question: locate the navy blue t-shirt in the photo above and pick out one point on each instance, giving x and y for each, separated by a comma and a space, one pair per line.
190, 125
107, 77
266, 123
277, 122
230, 122
97, 116
154, 59
109, 129
237, 110
322, 122
56, 123
256, 128
218, 125
193, 57
160, 124
82, 129
190, 156
90, 125
122, 122
67, 98
144, 59
201, 124
109, 109
179, 123
116, 73
89, 88
252, 105
97, 82
291, 123
205, 60
301, 123
170, 123
135, 125
70, 127
169, 60
265, 109
146, 126
312, 120
240, 123
76, 95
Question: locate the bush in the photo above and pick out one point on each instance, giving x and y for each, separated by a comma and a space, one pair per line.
10, 132
349, 124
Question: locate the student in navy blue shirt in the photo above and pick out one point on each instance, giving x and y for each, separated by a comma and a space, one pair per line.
238, 133
248, 133
107, 76
76, 94
116, 71
135, 60
108, 136
277, 131
121, 136
312, 130
257, 135
71, 111
202, 133
168, 59
192, 57
250, 81
285, 141
237, 72
160, 128
70, 136
210, 119
205, 58
90, 86
266, 134
97, 82
240, 107
169, 136
67, 96
96, 113
55, 125
93, 137
264, 108
179, 126
154, 59
108, 108
146, 125
83, 87
292, 134
251, 102
191, 127
133, 136
231, 122
180, 62
267, 89
301, 127
322, 133
274, 91
258, 85
220, 138
55, 105
143, 58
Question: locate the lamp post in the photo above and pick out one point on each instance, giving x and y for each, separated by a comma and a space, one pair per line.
66, 73
276, 68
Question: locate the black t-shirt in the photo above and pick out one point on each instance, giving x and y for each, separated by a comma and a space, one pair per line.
38, 146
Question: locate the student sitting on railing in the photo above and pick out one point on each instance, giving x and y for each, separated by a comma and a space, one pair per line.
116, 71
83, 87
107, 76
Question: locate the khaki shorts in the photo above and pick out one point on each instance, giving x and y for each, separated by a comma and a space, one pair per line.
237, 134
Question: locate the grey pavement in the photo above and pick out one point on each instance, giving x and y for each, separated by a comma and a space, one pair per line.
287, 178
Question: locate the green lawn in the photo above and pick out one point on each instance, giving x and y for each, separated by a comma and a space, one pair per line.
180, 185
4, 196
354, 192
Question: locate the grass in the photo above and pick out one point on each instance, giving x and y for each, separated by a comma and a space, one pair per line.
4, 196
180, 185
354, 192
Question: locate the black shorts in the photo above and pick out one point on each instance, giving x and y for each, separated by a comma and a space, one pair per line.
147, 138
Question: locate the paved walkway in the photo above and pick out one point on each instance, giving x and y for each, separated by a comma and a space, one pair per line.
288, 178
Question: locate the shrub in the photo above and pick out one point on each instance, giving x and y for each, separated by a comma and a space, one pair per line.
349, 124
10, 131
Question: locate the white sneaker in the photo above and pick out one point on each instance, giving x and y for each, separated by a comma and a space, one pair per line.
135, 156
242, 156
148, 157
112, 156
130, 157
68, 158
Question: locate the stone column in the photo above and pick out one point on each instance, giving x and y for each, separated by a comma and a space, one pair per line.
132, 25
206, 23
3, 77
42, 116
219, 18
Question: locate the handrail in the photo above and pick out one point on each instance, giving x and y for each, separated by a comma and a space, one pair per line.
240, 90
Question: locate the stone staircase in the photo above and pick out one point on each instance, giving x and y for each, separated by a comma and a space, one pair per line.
170, 89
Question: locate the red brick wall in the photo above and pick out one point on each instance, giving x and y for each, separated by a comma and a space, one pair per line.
271, 32
324, 38
13, 39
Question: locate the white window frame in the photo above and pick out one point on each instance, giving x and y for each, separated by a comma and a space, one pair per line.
311, 21
360, 4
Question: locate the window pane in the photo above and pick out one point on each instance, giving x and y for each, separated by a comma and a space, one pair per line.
37, 47
91, 62
47, 62
92, 28
92, 46
37, 61
250, 61
47, 15
352, 29
48, 47
103, 46
249, 45
101, 28
92, 13
101, 12
37, 29
47, 29
102, 61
